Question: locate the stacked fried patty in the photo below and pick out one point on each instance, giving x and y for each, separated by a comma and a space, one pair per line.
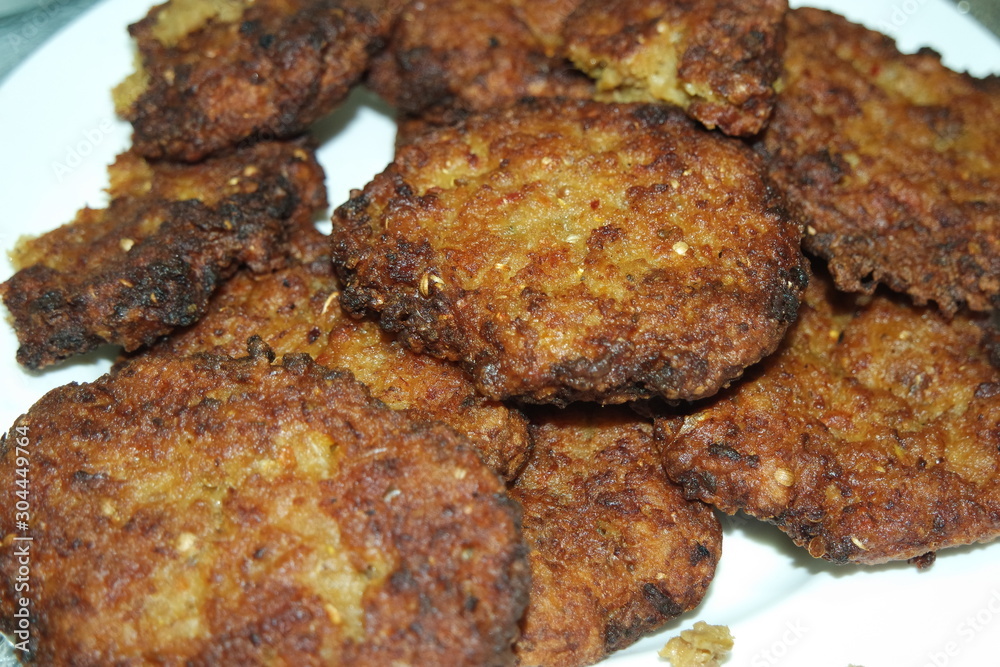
873, 434
149, 262
239, 511
590, 204
576, 251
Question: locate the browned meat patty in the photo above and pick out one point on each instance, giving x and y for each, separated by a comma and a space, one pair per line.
872, 435
616, 550
719, 60
472, 56
210, 511
578, 251
297, 310
212, 74
149, 262
891, 159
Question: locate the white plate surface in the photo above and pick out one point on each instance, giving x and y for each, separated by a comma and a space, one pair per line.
58, 132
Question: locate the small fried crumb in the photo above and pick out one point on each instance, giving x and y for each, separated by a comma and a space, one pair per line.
784, 477
703, 646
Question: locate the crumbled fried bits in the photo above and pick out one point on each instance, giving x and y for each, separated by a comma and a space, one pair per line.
703, 645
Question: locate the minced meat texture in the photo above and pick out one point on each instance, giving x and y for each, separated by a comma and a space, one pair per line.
576, 251
616, 551
212, 74
873, 434
296, 309
891, 160
469, 55
719, 59
212, 511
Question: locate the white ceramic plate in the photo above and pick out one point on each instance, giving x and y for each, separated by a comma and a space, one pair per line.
58, 132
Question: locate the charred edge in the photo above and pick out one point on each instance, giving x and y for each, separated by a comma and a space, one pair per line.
661, 601
988, 390
784, 304
925, 561
64, 344
652, 116
700, 553
727, 452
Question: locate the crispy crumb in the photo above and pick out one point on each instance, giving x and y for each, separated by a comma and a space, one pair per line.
702, 646
784, 477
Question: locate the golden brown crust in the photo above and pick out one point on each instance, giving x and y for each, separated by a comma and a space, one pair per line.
890, 161
872, 435
296, 310
719, 60
266, 72
545, 19
469, 55
409, 127
615, 549
213, 511
576, 251
149, 262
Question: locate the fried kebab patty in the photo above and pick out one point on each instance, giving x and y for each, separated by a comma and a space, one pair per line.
615, 549
891, 160
213, 74
296, 310
873, 434
577, 251
214, 511
468, 55
149, 262
719, 60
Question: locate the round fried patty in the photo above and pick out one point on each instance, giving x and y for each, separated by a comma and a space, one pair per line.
212, 74
567, 251
211, 511
890, 159
873, 434
616, 549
